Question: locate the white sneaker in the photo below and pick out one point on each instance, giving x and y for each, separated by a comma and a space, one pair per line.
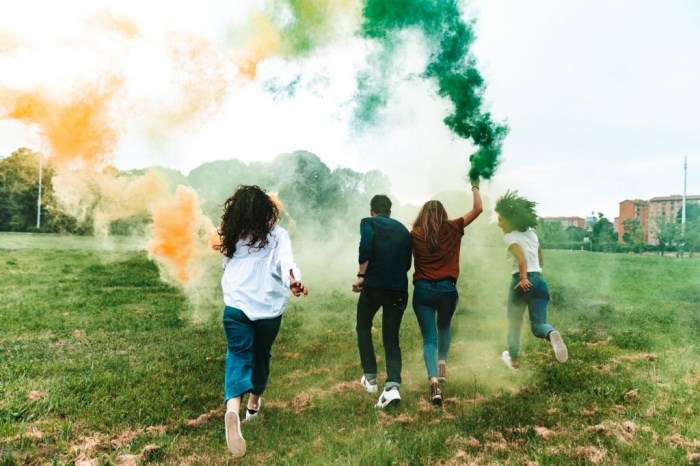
370, 385
252, 414
234, 436
388, 397
560, 351
505, 357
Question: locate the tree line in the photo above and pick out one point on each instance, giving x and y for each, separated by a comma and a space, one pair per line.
322, 202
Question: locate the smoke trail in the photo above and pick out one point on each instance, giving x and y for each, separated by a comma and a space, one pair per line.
293, 28
450, 65
182, 233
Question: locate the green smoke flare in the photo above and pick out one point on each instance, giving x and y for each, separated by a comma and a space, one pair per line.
450, 64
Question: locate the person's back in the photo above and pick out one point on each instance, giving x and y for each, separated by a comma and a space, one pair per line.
386, 244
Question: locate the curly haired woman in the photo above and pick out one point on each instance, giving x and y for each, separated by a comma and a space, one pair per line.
259, 271
517, 219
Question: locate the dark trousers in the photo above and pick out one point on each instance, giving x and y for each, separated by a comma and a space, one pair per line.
393, 304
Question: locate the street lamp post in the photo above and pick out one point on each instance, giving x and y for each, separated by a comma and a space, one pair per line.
38, 199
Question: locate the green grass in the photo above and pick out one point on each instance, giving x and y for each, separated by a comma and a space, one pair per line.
102, 360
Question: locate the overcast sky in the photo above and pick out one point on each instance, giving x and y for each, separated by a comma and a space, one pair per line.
602, 97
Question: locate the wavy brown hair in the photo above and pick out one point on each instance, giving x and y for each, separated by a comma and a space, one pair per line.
249, 214
430, 221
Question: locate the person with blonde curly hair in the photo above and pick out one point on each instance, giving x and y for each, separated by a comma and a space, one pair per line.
518, 220
259, 272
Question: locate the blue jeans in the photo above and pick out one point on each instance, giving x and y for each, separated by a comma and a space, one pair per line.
393, 304
536, 299
433, 299
248, 354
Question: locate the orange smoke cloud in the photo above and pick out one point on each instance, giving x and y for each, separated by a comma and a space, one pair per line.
78, 130
118, 24
264, 40
180, 231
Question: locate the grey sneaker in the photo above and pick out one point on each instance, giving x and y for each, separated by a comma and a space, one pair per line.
560, 351
388, 397
370, 385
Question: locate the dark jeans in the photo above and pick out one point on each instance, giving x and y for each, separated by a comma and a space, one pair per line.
393, 304
434, 303
536, 299
248, 352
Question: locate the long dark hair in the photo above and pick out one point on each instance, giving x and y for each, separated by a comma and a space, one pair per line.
430, 221
248, 214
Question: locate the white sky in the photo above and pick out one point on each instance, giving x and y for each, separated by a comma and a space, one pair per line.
602, 96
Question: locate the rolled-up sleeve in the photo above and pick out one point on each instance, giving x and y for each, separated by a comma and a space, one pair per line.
366, 240
286, 258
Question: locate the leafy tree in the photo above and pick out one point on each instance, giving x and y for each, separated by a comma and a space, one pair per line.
633, 234
19, 185
666, 233
603, 236
575, 234
551, 232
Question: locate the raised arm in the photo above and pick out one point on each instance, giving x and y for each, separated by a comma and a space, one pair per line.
477, 207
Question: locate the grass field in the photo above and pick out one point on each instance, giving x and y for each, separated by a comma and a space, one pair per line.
101, 362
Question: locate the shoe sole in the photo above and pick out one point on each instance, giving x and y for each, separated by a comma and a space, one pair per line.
437, 401
560, 350
234, 437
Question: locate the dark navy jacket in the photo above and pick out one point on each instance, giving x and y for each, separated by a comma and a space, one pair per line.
386, 244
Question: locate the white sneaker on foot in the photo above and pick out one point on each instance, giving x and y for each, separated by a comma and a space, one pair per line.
370, 385
505, 357
234, 436
388, 397
253, 413
560, 351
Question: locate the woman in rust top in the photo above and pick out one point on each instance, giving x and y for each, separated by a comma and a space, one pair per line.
436, 244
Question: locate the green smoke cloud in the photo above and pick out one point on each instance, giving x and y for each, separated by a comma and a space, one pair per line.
450, 65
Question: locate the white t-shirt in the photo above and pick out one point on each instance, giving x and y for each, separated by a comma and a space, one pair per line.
530, 244
256, 281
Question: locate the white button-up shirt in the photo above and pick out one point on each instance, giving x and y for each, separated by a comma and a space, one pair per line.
256, 281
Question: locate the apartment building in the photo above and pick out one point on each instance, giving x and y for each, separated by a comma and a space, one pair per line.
647, 213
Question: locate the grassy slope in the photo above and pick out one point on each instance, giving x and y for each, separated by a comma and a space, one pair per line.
99, 359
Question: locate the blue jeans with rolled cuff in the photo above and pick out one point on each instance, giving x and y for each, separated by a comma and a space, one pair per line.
248, 352
434, 303
536, 299
393, 304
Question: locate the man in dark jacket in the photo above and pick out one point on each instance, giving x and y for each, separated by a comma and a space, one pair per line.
384, 261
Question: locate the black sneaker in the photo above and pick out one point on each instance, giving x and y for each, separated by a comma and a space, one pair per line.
442, 373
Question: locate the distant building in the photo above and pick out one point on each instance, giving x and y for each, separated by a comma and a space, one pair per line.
647, 213
667, 207
567, 222
633, 210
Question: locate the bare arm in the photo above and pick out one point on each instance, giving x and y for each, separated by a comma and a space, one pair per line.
519, 254
477, 207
